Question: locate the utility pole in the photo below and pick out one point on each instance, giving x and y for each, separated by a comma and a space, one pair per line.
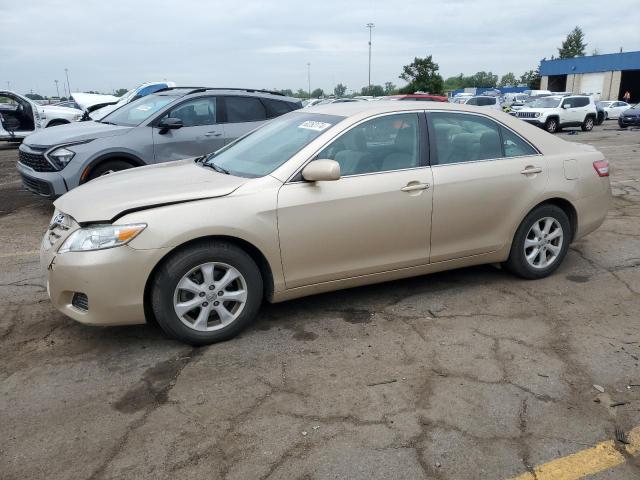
66, 72
57, 89
370, 27
309, 77
8, 85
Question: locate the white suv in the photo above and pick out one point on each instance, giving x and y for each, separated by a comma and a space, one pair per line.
555, 112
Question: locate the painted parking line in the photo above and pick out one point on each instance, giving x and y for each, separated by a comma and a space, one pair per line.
20, 254
585, 462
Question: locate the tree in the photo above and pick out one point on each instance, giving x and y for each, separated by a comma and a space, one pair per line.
301, 93
34, 96
389, 88
287, 91
422, 75
531, 79
375, 90
574, 44
317, 93
483, 79
340, 90
508, 80
119, 92
454, 83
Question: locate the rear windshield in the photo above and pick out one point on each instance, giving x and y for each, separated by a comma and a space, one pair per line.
266, 148
134, 113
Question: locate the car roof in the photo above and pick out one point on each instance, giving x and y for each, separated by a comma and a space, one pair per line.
349, 109
182, 91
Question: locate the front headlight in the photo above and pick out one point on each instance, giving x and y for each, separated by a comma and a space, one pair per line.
61, 156
99, 237
537, 114
77, 118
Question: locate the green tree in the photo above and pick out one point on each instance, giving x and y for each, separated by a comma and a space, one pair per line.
119, 92
508, 80
422, 75
375, 90
34, 96
340, 90
531, 79
574, 45
287, 91
301, 93
317, 93
483, 79
459, 81
389, 88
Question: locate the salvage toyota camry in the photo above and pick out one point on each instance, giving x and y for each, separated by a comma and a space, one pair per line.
327, 198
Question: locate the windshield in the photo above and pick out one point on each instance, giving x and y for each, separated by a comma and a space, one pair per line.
266, 148
545, 102
136, 112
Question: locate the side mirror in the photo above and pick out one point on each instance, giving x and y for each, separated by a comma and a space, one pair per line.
566, 105
169, 123
321, 171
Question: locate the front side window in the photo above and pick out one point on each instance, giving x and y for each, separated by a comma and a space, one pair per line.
266, 148
199, 111
245, 109
465, 138
385, 143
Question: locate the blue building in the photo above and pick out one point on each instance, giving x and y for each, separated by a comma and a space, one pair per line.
607, 76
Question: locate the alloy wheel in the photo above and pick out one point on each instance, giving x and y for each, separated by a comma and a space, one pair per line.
210, 296
543, 242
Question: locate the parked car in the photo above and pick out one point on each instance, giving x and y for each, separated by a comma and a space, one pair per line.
20, 116
484, 101
172, 124
613, 109
556, 112
295, 207
133, 94
514, 98
311, 102
424, 97
536, 93
630, 117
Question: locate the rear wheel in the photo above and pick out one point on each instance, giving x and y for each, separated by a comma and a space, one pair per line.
207, 293
587, 125
551, 125
541, 243
110, 166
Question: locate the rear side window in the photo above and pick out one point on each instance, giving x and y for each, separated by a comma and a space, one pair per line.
514, 146
473, 101
245, 109
465, 138
275, 108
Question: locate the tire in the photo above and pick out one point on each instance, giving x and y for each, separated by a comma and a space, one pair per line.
587, 125
190, 263
551, 125
55, 123
518, 263
110, 166
606, 116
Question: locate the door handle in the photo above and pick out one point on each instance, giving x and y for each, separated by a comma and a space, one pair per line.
530, 170
212, 134
412, 187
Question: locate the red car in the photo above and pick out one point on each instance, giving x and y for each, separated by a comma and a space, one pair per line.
424, 97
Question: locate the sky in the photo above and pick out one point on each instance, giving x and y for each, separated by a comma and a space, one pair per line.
114, 44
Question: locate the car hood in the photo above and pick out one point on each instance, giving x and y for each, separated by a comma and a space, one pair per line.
74, 132
86, 100
631, 112
107, 198
102, 112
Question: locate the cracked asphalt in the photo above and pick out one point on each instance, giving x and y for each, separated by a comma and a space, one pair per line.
468, 374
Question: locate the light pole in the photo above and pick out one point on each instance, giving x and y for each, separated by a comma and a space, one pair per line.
309, 77
66, 72
370, 27
57, 89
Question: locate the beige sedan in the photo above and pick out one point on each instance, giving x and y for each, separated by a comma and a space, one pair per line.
322, 199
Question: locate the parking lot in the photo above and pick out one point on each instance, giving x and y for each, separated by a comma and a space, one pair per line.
468, 374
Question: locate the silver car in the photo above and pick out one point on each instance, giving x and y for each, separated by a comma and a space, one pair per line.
173, 124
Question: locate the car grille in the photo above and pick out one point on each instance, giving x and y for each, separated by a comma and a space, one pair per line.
36, 186
80, 301
35, 161
525, 115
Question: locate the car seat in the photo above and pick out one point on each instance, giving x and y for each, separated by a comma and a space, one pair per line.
405, 153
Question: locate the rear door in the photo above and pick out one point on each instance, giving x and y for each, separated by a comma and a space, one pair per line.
200, 134
241, 115
484, 178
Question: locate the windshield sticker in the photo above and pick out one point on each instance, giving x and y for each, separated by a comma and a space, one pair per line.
316, 126
144, 108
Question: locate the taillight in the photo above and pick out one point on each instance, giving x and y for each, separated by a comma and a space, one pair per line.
601, 167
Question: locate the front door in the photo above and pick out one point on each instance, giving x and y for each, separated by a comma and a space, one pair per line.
199, 135
484, 177
375, 218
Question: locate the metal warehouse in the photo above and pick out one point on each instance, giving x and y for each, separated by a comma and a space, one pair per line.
608, 76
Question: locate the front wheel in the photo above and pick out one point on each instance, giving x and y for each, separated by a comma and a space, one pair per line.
110, 166
540, 243
587, 125
207, 293
551, 125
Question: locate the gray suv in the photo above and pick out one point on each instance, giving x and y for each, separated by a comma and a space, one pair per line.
171, 124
